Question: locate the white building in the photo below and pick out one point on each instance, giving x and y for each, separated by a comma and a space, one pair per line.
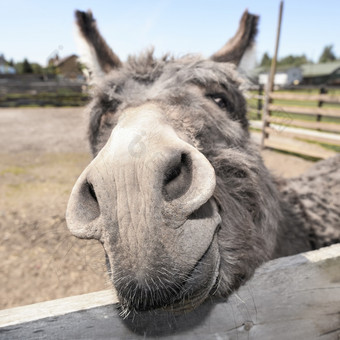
4, 68
283, 77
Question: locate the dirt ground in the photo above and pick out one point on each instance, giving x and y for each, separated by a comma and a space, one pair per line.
42, 152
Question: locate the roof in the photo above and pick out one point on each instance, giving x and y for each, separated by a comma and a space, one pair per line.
308, 70
266, 69
323, 69
64, 60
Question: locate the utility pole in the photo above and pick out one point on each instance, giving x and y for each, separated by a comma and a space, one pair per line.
270, 83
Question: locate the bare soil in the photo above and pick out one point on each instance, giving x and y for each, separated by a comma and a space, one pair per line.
42, 152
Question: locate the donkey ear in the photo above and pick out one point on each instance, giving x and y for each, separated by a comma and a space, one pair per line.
235, 48
95, 53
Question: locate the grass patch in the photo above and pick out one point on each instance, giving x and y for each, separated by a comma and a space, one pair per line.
31, 176
14, 170
299, 155
332, 147
254, 129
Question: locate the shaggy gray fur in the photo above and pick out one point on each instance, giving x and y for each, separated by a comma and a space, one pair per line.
262, 217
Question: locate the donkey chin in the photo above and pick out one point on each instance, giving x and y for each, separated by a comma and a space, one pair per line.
182, 294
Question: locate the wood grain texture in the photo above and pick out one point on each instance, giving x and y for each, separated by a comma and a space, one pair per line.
296, 297
327, 112
307, 135
331, 127
305, 97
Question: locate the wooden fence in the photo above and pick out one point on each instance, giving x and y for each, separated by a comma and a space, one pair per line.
45, 99
282, 119
296, 297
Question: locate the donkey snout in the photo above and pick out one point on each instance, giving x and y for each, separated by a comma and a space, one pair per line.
163, 184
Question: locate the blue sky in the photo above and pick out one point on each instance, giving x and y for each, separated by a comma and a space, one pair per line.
36, 29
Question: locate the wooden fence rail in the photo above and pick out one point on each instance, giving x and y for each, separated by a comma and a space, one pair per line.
296, 297
312, 111
280, 118
46, 99
305, 97
330, 127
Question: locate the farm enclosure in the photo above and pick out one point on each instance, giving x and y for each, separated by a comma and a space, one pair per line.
302, 120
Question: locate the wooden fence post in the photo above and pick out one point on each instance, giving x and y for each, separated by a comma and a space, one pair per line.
323, 90
259, 101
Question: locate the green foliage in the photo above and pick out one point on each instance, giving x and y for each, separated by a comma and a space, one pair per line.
10, 63
26, 67
290, 60
332, 147
266, 60
18, 67
327, 54
51, 69
37, 68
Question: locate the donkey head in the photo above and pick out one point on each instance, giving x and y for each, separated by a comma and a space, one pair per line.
173, 190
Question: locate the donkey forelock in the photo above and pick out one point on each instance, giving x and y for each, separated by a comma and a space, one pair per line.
169, 82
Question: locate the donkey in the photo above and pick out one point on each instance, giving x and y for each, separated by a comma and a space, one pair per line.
177, 193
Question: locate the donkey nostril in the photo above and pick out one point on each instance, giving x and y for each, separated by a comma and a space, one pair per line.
92, 192
177, 178
172, 173
83, 209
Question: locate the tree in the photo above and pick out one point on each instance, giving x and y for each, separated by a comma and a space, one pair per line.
37, 68
266, 60
26, 67
327, 54
11, 63
290, 60
293, 60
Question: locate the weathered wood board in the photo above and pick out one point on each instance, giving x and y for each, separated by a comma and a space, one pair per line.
327, 112
304, 134
295, 297
305, 97
330, 127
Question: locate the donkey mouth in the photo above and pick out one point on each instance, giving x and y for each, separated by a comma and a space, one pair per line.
203, 277
200, 283
181, 290
195, 290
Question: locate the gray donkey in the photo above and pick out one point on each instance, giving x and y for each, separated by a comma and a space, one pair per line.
177, 193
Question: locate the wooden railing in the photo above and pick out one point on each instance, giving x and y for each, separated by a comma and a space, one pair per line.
44, 99
282, 119
295, 297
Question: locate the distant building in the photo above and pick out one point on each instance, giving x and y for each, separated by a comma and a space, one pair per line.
306, 74
323, 73
5, 68
67, 67
283, 77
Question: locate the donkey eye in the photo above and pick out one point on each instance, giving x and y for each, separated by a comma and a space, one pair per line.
222, 102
